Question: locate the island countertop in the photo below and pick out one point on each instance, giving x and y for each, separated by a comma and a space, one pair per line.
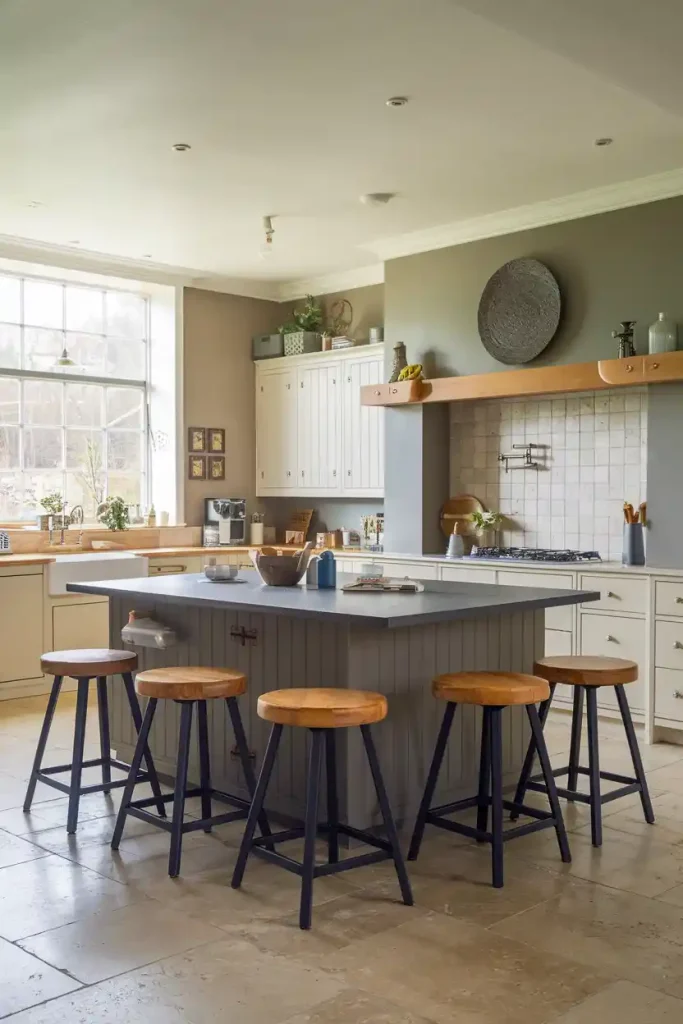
439, 602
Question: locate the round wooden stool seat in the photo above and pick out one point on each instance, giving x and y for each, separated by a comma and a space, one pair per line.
578, 670
490, 689
88, 663
322, 708
190, 683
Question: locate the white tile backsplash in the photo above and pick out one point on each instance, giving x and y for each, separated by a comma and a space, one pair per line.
594, 457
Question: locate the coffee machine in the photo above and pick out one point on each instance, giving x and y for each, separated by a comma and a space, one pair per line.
229, 516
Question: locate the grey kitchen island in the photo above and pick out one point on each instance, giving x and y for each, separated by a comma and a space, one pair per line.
284, 637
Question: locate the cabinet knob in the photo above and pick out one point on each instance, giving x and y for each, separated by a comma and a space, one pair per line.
629, 368
334, 472
301, 384
679, 600
610, 593
655, 366
677, 645
678, 694
262, 474
289, 472
288, 386
302, 472
348, 472
378, 392
348, 379
611, 639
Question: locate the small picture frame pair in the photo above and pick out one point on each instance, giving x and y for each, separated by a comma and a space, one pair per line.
206, 460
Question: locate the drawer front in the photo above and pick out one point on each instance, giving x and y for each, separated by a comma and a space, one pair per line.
669, 694
617, 594
611, 636
557, 642
669, 598
467, 574
174, 566
416, 570
669, 645
555, 618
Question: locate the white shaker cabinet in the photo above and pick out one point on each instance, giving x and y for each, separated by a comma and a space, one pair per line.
313, 436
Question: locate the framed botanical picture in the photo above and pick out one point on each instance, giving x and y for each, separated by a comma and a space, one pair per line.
215, 467
216, 440
196, 467
196, 439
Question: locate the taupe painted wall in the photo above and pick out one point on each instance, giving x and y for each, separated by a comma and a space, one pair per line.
368, 308
615, 266
219, 385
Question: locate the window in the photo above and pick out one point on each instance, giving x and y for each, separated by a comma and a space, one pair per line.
79, 429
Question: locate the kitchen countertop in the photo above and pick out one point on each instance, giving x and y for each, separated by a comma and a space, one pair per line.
440, 602
37, 558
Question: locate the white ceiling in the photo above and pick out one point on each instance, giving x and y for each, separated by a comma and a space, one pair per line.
283, 104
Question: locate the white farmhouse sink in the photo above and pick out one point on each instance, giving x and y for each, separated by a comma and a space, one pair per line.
109, 565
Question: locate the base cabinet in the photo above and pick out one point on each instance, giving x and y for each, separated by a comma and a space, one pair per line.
21, 627
80, 626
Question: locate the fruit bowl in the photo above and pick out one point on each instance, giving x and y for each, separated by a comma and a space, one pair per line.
281, 570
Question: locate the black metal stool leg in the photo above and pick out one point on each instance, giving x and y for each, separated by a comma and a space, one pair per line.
553, 799
138, 755
635, 754
332, 800
245, 760
594, 765
315, 762
575, 742
385, 808
204, 761
136, 715
496, 797
484, 773
77, 759
180, 787
528, 765
256, 805
105, 742
432, 779
42, 742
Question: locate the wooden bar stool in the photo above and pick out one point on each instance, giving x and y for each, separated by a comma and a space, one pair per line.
84, 666
323, 711
586, 674
492, 691
187, 687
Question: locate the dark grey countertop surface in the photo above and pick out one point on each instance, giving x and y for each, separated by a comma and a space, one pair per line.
439, 602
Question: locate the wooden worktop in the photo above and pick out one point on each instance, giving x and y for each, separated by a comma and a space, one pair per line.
38, 558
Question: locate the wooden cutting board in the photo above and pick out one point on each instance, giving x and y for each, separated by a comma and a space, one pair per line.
459, 509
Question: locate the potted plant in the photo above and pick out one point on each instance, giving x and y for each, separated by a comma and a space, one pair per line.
53, 507
486, 524
113, 514
302, 333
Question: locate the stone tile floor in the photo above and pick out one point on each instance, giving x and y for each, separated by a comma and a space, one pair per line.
87, 937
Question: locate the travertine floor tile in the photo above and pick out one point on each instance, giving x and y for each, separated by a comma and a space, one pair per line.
351, 1007
615, 932
625, 1003
50, 892
106, 944
143, 859
668, 825
226, 981
25, 981
448, 970
94, 832
15, 851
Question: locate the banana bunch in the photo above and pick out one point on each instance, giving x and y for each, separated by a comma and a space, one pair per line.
412, 372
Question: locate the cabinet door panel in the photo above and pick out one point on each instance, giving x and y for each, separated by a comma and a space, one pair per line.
21, 627
80, 626
318, 421
612, 636
363, 430
276, 430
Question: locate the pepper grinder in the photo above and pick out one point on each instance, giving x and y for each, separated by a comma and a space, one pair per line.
627, 348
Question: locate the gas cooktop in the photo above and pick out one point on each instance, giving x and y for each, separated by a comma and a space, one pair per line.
535, 554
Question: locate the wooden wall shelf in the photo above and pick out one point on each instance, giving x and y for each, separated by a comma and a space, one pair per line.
545, 380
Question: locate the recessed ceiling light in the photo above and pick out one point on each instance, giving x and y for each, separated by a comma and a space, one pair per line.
33, 203
604, 141
146, 255
74, 241
181, 147
396, 101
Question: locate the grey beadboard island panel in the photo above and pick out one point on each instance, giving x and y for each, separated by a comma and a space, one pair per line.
287, 650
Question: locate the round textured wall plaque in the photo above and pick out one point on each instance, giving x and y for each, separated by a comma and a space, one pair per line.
519, 311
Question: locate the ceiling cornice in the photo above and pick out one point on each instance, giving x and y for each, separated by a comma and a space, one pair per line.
341, 281
534, 215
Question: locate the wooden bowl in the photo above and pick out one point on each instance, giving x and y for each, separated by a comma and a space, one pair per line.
279, 570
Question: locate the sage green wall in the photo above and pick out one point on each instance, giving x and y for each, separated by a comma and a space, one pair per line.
615, 266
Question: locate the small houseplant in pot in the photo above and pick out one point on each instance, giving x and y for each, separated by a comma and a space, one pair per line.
114, 514
302, 334
53, 507
486, 525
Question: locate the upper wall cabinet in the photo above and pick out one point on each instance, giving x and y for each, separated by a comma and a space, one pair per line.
313, 437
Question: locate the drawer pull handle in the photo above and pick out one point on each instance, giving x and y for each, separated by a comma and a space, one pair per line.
611, 639
679, 600
678, 694
677, 645
610, 593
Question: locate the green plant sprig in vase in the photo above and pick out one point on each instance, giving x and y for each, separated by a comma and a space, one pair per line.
115, 515
486, 523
